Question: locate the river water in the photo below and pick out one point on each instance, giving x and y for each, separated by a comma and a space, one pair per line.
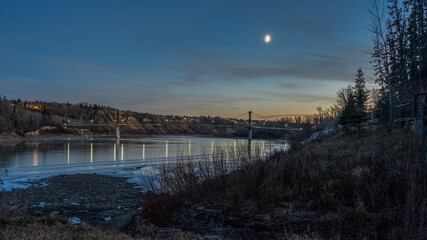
22, 161
153, 149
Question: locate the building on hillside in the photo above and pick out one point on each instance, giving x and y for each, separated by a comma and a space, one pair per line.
35, 106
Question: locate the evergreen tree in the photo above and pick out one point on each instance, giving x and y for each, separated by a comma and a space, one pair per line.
349, 113
354, 99
360, 98
400, 51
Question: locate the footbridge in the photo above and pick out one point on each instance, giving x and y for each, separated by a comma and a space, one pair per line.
249, 125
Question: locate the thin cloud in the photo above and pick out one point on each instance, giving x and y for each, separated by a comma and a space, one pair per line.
290, 85
339, 66
295, 96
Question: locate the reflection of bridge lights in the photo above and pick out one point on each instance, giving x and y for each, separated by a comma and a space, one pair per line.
68, 153
115, 152
212, 146
91, 152
167, 148
35, 158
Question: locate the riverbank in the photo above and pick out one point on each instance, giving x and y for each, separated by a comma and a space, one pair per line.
337, 186
78, 206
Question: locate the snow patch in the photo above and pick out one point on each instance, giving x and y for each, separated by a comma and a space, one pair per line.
316, 134
41, 205
9, 186
74, 220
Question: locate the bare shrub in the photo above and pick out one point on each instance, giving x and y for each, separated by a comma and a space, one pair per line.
195, 179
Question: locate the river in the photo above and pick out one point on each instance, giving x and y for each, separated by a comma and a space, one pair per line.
77, 154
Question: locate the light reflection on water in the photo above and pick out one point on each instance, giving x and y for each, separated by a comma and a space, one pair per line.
68, 153
35, 158
23, 153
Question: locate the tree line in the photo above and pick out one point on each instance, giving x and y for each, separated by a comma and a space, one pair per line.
21, 117
399, 59
399, 54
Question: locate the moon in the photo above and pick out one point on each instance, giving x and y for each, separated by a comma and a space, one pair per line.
267, 38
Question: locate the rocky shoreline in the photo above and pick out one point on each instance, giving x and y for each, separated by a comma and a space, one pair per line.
114, 204
102, 201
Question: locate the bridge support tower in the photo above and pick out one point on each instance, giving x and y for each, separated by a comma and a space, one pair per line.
117, 132
250, 135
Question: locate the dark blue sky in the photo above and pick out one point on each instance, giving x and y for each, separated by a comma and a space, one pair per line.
183, 57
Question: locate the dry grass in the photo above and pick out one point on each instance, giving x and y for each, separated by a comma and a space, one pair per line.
194, 181
376, 183
58, 228
374, 186
52, 228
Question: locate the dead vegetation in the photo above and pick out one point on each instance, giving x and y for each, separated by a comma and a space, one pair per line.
338, 186
51, 228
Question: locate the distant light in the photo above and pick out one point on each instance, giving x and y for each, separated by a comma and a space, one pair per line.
267, 38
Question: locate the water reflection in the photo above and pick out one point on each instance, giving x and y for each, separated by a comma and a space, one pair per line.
91, 152
20, 153
115, 152
167, 145
212, 147
35, 158
68, 153
121, 153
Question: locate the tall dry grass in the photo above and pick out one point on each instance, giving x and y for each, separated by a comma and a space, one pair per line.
376, 185
369, 187
199, 179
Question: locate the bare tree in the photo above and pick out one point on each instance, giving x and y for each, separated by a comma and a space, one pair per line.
380, 53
